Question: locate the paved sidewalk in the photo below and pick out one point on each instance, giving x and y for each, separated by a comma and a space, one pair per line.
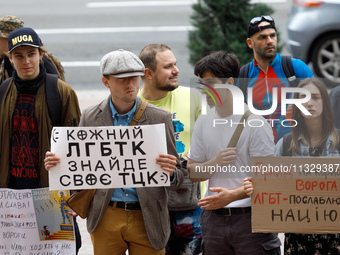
91, 97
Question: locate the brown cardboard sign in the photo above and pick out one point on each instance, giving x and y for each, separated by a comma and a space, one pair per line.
296, 195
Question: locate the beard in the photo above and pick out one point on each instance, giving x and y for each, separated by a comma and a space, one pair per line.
166, 87
268, 55
262, 52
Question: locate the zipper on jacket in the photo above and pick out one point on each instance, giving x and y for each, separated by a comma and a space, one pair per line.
266, 79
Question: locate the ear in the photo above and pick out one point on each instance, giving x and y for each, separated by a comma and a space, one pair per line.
250, 43
105, 82
148, 73
230, 81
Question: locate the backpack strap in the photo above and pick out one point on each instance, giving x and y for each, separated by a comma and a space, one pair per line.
139, 113
53, 98
3, 89
243, 80
289, 71
287, 140
236, 136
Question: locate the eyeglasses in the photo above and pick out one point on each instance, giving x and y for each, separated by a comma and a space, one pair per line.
261, 18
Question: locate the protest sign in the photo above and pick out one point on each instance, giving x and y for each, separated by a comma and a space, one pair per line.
108, 157
35, 222
296, 195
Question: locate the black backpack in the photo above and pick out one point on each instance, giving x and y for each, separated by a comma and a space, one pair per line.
52, 97
287, 139
287, 68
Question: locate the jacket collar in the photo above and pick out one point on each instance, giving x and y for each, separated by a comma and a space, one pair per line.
104, 117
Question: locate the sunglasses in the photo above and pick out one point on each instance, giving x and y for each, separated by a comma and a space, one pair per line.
261, 18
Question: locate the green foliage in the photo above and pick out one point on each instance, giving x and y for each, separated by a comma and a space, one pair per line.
222, 25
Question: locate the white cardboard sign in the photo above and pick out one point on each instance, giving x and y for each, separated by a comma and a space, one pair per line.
108, 157
35, 222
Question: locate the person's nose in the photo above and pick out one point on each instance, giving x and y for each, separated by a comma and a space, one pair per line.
270, 40
309, 103
26, 60
175, 70
130, 82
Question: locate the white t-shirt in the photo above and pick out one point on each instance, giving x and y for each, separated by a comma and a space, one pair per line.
208, 138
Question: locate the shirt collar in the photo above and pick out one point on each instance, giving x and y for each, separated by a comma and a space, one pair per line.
129, 115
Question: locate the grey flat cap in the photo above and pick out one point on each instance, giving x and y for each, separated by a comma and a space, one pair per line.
121, 63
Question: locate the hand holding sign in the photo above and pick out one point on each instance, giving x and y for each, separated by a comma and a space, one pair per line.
51, 160
167, 163
248, 186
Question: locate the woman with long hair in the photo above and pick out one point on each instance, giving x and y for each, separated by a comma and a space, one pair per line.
315, 132
314, 135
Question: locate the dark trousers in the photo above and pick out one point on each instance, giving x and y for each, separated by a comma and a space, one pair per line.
231, 235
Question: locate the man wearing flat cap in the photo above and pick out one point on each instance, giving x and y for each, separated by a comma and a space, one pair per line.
7, 25
266, 72
134, 219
